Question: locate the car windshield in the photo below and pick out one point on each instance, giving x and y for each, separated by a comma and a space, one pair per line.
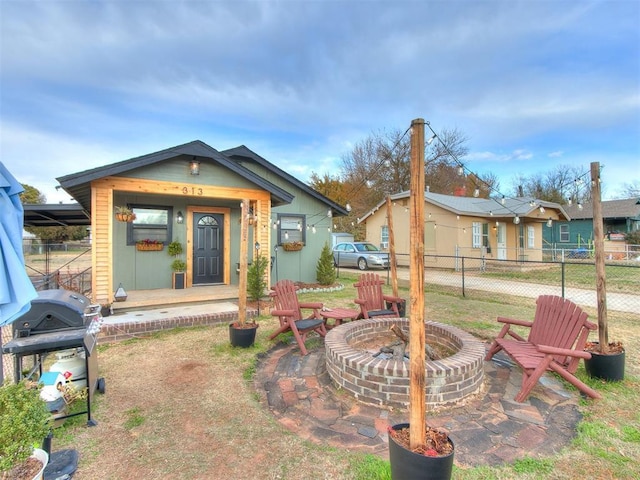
366, 247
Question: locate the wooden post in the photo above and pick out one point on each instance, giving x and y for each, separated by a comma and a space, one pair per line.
392, 249
242, 281
598, 240
417, 407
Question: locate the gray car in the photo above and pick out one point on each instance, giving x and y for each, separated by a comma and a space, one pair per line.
363, 255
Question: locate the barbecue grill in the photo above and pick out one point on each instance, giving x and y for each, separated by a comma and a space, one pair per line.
58, 320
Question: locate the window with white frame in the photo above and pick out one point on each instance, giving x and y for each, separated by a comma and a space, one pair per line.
531, 236
476, 237
564, 233
291, 228
384, 236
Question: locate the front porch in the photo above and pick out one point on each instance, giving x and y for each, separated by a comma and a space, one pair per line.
169, 297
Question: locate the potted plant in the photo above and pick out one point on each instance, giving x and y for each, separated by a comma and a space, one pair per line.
24, 423
125, 214
243, 333
292, 246
178, 266
148, 245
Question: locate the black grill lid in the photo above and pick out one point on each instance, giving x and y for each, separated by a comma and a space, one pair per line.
53, 310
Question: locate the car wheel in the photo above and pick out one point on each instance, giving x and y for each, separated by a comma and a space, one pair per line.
362, 264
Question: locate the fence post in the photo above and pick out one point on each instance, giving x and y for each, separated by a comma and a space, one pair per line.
463, 276
562, 277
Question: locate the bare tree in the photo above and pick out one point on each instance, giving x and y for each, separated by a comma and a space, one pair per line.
561, 184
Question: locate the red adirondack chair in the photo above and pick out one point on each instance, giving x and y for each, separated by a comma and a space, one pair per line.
373, 302
289, 312
555, 343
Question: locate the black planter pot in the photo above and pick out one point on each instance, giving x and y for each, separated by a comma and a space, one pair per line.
607, 367
406, 465
242, 337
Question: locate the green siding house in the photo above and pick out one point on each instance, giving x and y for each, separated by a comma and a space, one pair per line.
192, 194
619, 217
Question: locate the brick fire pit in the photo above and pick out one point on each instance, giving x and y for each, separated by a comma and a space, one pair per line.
379, 381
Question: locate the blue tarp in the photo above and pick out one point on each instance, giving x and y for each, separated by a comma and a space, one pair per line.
16, 289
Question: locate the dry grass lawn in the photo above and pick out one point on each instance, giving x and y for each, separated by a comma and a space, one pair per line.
181, 405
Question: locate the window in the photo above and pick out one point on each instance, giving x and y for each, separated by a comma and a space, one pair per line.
151, 223
531, 237
384, 236
291, 228
485, 237
477, 235
564, 233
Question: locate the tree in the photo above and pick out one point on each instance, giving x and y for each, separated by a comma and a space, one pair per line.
325, 269
560, 184
32, 196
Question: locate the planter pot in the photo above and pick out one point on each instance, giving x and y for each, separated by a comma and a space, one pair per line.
43, 456
178, 280
149, 247
607, 367
407, 465
243, 337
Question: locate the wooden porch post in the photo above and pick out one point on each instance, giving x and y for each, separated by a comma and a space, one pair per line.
242, 281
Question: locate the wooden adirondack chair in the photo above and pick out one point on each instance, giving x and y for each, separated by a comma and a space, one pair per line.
289, 312
556, 342
373, 302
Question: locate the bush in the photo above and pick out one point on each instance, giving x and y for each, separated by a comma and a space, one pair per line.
325, 269
24, 423
633, 238
256, 281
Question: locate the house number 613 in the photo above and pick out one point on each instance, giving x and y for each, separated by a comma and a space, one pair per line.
192, 191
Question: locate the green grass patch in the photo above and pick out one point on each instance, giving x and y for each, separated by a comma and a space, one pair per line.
134, 418
369, 467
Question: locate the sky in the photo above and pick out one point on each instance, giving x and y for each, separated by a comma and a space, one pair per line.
532, 84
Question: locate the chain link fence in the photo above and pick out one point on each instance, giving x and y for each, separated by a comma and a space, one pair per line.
575, 279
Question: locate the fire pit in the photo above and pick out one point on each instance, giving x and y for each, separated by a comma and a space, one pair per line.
382, 381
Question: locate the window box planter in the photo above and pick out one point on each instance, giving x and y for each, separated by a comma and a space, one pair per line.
149, 246
292, 246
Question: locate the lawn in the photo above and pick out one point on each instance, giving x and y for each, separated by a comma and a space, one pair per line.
182, 405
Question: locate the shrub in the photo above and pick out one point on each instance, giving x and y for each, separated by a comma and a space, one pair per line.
325, 269
256, 281
24, 423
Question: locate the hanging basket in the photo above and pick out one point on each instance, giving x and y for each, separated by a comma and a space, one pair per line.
125, 217
292, 246
149, 247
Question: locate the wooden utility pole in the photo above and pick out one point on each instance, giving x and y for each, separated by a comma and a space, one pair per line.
392, 249
598, 235
417, 408
244, 250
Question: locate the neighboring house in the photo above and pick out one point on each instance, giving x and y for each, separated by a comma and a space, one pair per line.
192, 193
619, 217
509, 229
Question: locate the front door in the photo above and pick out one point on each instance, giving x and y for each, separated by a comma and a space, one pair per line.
208, 245
502, 241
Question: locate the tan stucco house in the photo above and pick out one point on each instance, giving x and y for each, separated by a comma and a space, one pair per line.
192, 194
509, 229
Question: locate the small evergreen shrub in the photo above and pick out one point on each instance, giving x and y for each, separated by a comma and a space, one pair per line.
256, 281
325, 269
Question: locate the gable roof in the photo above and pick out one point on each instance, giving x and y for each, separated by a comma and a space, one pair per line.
626, 208
78, 185
242, 153
480, 207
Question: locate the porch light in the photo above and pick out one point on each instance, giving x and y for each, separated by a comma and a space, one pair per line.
549, 222
194, 167
179, 217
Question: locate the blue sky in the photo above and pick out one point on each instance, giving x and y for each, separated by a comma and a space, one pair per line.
532, 84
